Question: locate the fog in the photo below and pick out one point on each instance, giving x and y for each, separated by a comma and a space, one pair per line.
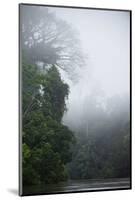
76, 76
76, 95
103, 80
104, 38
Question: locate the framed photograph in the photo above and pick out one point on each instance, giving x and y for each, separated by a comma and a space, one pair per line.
74, 99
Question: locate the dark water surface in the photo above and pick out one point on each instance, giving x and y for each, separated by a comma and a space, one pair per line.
79, 185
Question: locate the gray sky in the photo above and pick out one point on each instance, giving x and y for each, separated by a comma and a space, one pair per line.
105, 39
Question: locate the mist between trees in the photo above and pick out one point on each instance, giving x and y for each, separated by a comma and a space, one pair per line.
75, 94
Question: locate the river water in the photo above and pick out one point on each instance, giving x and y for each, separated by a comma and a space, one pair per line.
78, 185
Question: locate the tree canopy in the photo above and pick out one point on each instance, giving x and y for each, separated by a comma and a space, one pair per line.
46, 141
49, 40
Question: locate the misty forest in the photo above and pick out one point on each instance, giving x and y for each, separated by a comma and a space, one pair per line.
75, 97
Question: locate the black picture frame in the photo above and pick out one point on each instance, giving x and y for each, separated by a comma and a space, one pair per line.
21, 193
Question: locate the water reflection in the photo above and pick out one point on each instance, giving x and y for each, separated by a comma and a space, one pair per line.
79, 185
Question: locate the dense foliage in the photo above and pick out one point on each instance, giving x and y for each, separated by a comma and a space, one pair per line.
103, 141
105, 156
99, 144
46, 141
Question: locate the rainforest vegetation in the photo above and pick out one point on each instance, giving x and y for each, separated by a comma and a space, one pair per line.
95, 145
